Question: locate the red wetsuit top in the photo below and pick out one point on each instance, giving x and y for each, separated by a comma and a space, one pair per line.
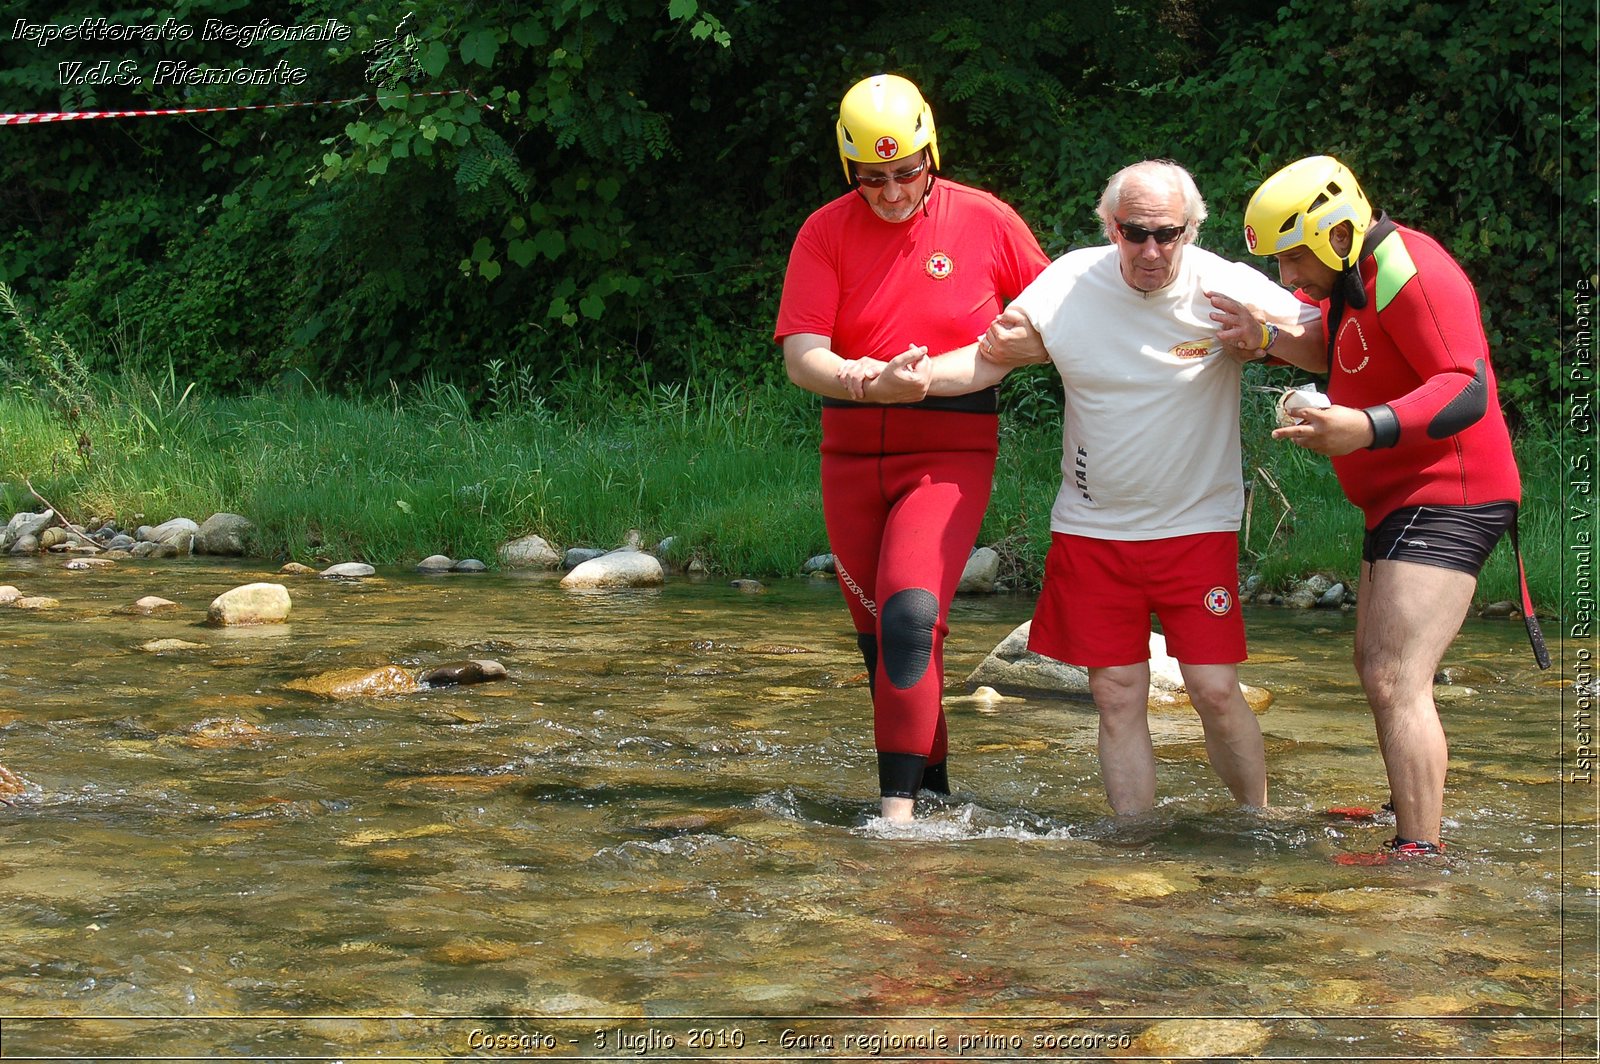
1415, 358
937, 279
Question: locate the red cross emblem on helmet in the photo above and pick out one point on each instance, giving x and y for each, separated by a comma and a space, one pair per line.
1219, 600
887, 147
1250, 236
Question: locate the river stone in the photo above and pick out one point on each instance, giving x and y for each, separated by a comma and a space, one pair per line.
453, 673
296, 569
37, 602
180, 532
80, 565
528, 552
618, 569
52, 537
226, 534
818, 563
250, 604
27, 544
1203, 1038
983, 565
348, 571
8, 595
1012, 668
435, 563
749, 587
469, 565
161, 646
576, 556
1331, 599
148, 549
1505, 608
150, 604
340, 684
25, 524
11, 785
223, 732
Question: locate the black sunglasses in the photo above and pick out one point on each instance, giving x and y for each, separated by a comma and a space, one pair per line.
1138, 234
904, 177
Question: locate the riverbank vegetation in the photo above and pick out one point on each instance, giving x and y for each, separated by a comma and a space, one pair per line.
727, 468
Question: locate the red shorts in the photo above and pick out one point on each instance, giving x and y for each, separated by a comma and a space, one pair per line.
1099, 594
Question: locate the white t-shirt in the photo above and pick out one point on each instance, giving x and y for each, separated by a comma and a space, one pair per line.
1150, 436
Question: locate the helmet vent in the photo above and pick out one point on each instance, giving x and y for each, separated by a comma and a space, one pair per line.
1321, 199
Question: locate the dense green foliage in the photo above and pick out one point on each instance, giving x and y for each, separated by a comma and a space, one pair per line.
621, 186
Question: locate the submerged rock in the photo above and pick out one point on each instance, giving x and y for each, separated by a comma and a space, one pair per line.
341, 684
8, 595
150, 604
456, 673
11, 785
83, 565
436, 563
1012, 668
250, 604
1192, 1039
219, 732
296, 569
162, 646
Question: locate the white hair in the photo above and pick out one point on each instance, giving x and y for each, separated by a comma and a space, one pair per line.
1153, 174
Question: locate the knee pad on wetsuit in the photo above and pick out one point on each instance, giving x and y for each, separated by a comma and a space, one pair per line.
907, 622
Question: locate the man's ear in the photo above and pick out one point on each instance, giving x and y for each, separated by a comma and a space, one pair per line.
1341, 237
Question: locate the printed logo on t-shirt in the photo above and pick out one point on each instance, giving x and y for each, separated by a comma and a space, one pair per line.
1219, 600
939, 265
887, 147
1351, 350
1191, 349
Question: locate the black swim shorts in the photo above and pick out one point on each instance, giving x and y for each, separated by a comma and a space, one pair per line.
1451, 537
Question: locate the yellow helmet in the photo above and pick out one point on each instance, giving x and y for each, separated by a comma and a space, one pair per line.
1301, 204
884, 118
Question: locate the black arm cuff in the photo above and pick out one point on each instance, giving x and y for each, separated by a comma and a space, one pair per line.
1385, 427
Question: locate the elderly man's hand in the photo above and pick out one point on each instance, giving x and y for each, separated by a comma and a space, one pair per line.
1332, 431
1011, 340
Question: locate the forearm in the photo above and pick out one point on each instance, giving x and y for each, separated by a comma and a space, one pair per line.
961, 371
812, 365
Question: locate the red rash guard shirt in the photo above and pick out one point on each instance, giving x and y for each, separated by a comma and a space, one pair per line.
1416, 359
937, 279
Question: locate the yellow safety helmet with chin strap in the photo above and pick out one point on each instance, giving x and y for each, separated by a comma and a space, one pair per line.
884, 118
1301, 204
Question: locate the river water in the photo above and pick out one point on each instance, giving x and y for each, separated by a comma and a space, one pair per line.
655, 840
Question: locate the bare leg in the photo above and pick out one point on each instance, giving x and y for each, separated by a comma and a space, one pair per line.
1127, 758
898, 809
1233, 735
1407, 614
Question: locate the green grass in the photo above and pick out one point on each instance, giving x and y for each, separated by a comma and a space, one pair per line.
731, 471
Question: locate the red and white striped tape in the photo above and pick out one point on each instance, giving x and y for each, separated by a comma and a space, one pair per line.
40, 117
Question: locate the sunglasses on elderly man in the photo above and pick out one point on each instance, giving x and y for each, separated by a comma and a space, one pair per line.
1138, 234
903, 177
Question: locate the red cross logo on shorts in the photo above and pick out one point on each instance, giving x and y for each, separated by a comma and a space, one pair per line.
887, 147
1219, 601
940, 266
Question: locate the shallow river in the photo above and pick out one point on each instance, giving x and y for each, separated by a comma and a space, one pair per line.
654, 840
